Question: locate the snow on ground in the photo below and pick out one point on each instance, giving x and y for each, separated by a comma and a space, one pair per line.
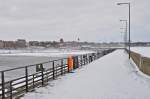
111, 77
46, 53
145, 51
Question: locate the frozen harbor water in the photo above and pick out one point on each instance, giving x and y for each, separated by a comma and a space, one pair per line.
18, 58
7, 62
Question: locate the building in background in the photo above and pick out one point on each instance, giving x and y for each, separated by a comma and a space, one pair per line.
1, 44
21, 43
34, 43
9, 44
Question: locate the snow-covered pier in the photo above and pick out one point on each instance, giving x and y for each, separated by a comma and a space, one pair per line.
110, 77
38, 75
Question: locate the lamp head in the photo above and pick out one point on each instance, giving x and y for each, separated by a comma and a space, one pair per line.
122, 20
123, 3
118, 3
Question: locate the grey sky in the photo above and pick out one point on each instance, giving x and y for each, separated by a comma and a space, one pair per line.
90, 20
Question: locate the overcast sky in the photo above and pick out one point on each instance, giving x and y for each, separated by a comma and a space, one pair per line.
90, 20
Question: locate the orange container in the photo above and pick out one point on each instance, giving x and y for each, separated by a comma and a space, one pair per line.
70, 63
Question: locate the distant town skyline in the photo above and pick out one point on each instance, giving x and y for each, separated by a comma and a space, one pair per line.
89, 20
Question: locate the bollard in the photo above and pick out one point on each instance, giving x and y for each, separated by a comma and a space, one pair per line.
70, 63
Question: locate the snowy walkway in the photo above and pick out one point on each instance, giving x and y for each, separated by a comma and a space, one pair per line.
111, 77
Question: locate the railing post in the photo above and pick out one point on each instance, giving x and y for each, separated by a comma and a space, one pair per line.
77, 61
42, 76
64, 67
81, 60
3, 85
68, 65
98, 55
84, 59
33, 82
68, 68
53, 70
62, 64
11, 90
56, 68
94, 56
47, 76
87, 58
74, 62
26, 74
90, 58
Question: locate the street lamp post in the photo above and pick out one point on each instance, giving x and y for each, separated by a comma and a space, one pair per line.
129, 26
125, 33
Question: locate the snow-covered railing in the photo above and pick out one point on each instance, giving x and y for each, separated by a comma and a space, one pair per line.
38, 75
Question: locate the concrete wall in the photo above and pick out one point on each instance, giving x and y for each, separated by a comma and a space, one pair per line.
143, 63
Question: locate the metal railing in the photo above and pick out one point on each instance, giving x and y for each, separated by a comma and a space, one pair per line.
39, 75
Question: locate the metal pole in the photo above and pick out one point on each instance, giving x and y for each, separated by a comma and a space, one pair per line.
53, 70
81, 60
42, 72
11, 94
126, 34
33, 82
3, 85
62, 64
129, 33
129, 27
26, 74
